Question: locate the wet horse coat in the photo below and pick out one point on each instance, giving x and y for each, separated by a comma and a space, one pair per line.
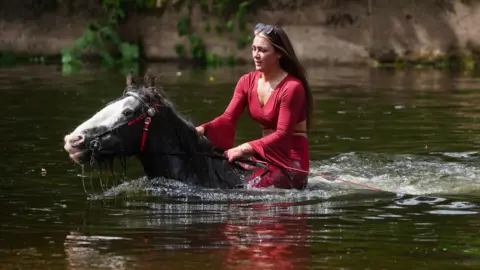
143, 123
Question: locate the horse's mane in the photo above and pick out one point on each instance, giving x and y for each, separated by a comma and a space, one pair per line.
176, 135
155, 94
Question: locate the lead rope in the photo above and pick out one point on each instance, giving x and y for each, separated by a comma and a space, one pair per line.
325, 176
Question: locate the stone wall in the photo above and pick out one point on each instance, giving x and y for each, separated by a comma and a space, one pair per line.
339, 32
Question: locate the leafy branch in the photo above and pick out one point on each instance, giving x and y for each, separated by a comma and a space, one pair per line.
101, 38
228, 17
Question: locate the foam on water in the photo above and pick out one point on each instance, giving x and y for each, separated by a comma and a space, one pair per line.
350, 173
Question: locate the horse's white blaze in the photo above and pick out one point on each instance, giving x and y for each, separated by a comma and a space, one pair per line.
108, 117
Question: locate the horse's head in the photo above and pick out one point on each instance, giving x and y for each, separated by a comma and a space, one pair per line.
172, 149
118, 129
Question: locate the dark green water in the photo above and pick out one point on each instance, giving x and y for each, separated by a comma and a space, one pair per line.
413, 134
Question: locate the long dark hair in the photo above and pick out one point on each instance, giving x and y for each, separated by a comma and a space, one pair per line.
290, 63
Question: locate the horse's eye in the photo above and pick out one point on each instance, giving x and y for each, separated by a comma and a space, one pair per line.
127, 112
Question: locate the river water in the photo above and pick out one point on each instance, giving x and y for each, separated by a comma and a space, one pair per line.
412, 134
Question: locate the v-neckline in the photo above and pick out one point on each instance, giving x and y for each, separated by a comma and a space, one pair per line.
273, 91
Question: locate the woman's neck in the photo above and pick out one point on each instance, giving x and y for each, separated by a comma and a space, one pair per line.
272, 74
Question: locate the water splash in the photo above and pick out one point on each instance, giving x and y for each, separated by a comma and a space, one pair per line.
406, 173
160, 187
393, 174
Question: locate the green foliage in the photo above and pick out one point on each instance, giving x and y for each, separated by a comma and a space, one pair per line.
207, 28
197, 47
180, 49
183, 26
227, 17
10, 59
101, 38
230, 26
244, 40
7, 59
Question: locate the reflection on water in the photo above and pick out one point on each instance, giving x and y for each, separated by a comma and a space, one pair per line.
412, 134
84, 252
272, 235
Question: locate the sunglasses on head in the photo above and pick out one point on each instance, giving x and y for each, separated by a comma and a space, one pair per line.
265, 28
271, 33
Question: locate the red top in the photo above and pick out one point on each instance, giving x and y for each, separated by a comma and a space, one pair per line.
283, 110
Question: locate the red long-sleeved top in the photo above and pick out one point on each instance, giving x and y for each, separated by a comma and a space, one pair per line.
284, 109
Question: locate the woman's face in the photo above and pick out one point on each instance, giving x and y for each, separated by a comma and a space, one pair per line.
264, 55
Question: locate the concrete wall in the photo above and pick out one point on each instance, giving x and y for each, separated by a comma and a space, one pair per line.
341, 32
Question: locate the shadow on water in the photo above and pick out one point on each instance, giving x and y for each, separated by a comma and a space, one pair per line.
413, 134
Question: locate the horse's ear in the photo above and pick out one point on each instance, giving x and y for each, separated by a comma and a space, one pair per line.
130, 80
149, 80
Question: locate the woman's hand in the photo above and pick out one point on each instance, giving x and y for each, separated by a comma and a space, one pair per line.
237, 152
234, 153
200, 130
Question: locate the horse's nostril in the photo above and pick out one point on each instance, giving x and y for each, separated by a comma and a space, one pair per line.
76, 139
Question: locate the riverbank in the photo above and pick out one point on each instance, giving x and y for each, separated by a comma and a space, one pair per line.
347, 33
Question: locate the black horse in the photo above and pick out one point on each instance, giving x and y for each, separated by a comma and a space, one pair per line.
144, 123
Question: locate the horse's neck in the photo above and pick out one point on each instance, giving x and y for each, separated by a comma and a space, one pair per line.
162, 165
169, 144
175, 150
191, 169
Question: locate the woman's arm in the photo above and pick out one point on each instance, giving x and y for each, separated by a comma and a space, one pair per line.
221, 130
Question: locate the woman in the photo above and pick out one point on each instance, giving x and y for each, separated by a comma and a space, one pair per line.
278, 97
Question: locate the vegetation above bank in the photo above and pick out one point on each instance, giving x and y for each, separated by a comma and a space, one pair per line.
102, 41
102, 38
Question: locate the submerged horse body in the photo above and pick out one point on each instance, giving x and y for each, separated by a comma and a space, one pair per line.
144, 123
